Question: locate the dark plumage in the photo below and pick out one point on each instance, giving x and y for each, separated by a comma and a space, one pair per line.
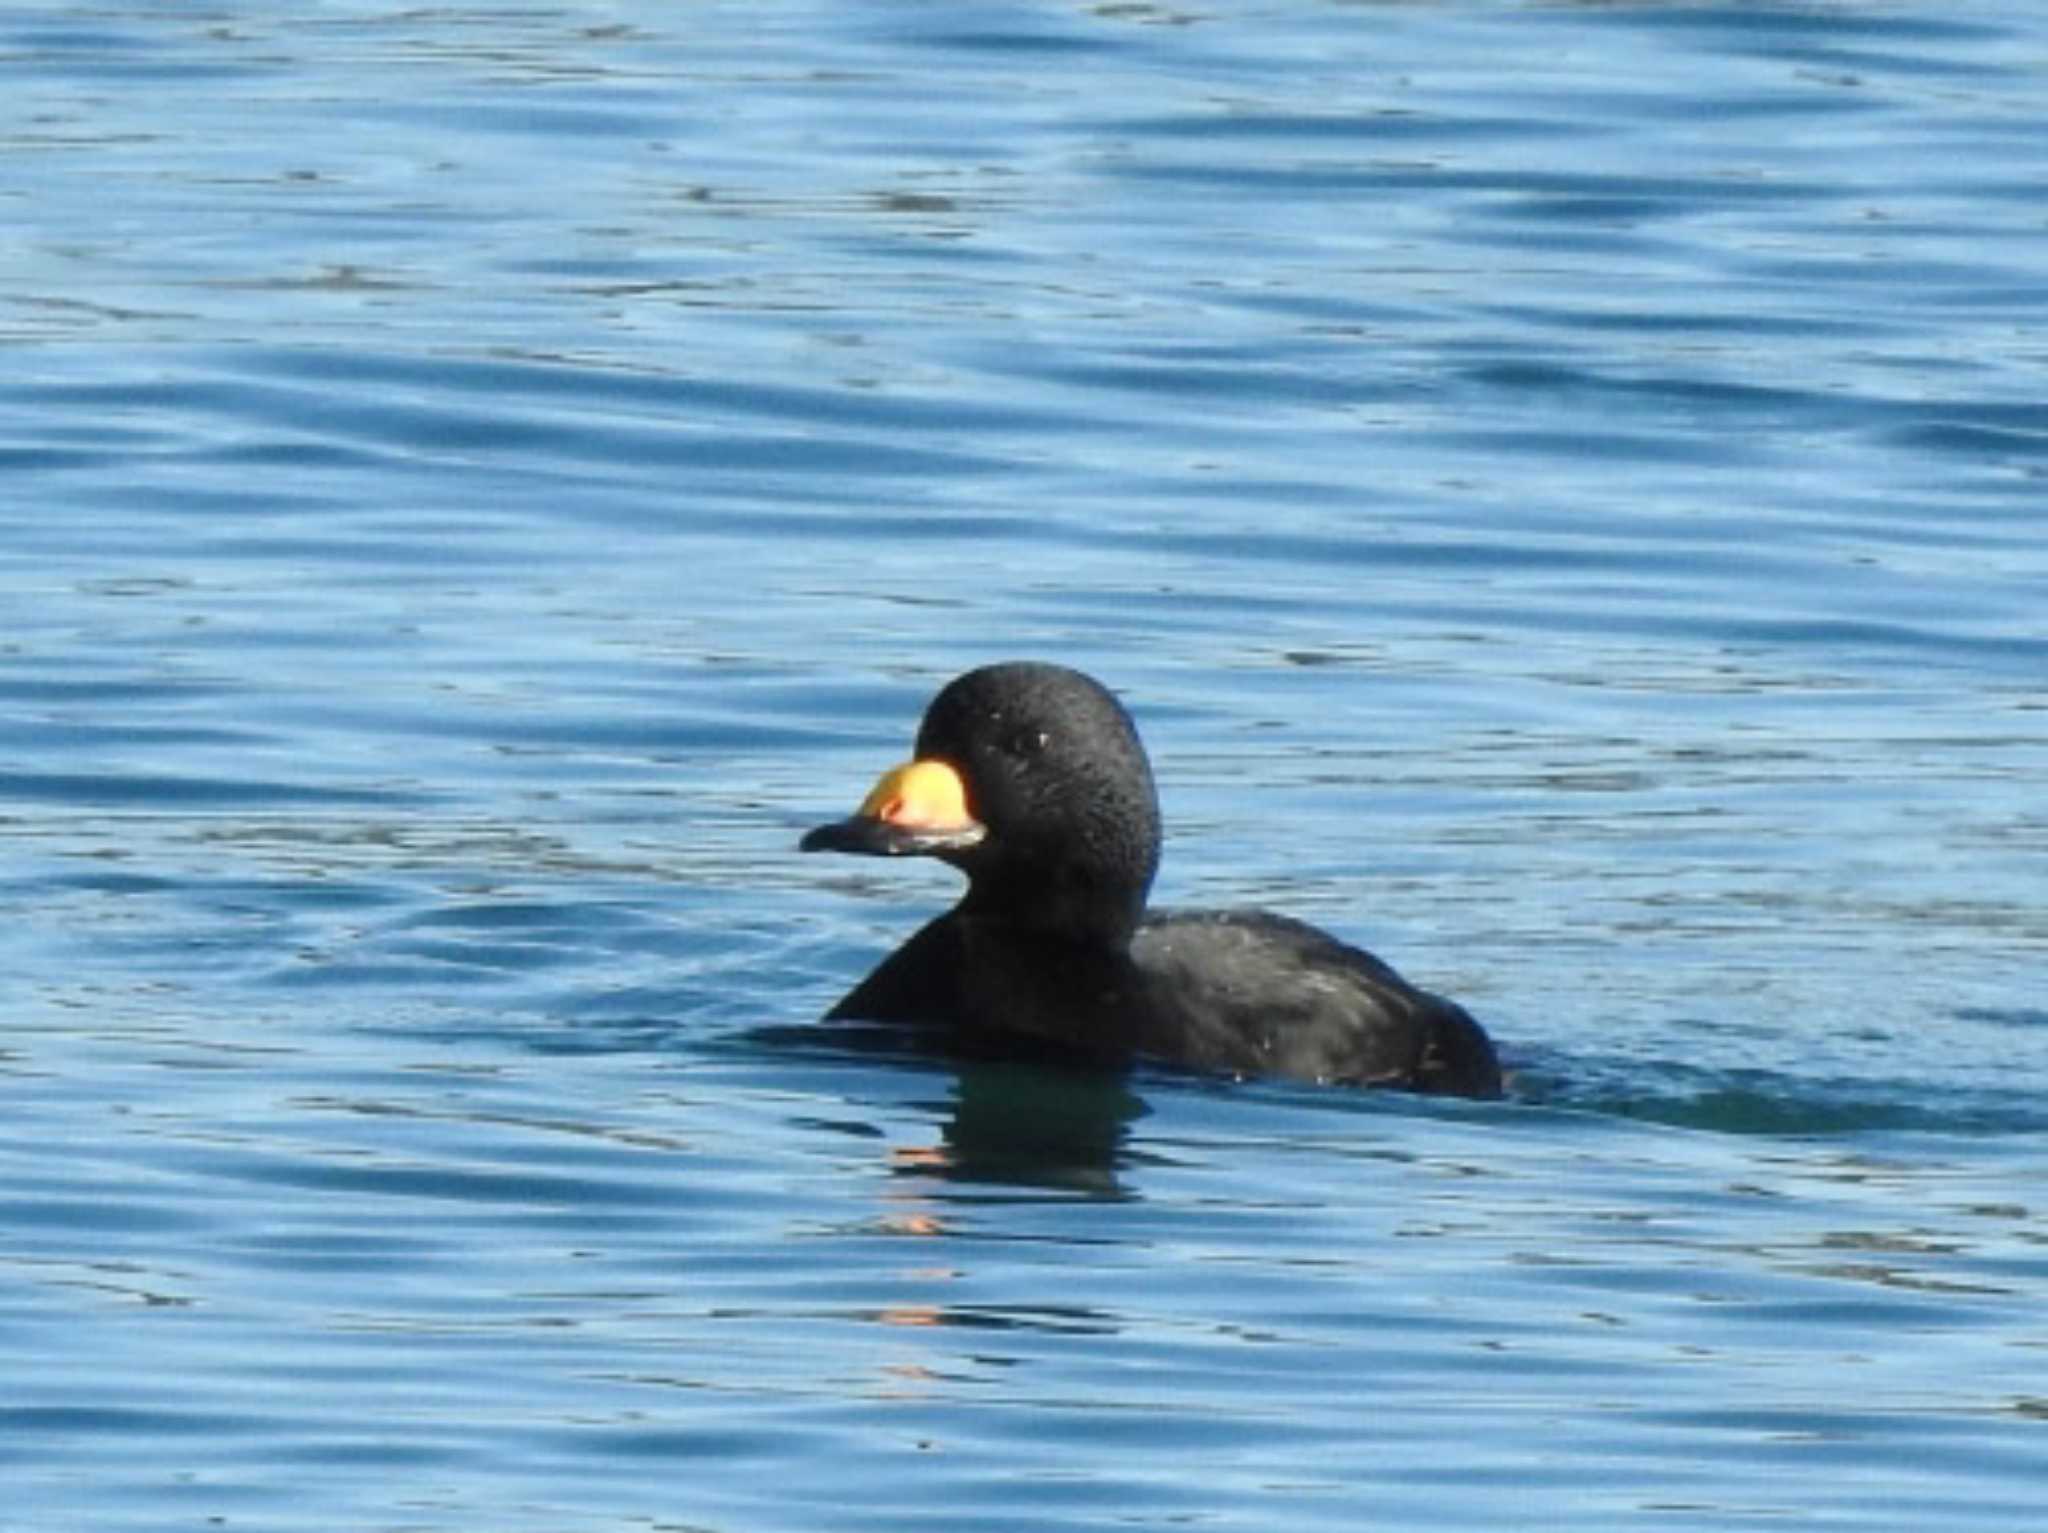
1031, 780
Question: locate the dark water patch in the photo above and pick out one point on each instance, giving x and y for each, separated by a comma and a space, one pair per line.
1768, 1102
652, 738
98, 1218
2019, 1017
1529, 553
113, 55
590, 386
120, 790
1975, 439
1720, 397
1766, 30
73, 737
1645, 318
542, 119
51, 1427
1518, 187
1293, 130
328, 427
469, 1186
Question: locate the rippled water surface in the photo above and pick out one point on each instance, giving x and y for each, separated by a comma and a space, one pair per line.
1560, 486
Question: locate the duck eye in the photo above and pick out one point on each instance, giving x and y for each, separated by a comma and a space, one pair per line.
1027, 743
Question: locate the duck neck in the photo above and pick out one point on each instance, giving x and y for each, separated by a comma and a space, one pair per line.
1069, 911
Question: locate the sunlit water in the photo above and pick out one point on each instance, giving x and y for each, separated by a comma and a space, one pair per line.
1560, 487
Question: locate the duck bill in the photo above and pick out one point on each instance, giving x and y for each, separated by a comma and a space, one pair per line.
918, 809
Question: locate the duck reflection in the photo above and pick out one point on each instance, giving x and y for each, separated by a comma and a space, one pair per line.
1023, 1124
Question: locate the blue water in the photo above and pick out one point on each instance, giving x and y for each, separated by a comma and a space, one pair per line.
1561, 488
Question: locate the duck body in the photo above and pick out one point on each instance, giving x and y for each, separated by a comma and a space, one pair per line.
1230, 992
1031, 780
1265, 994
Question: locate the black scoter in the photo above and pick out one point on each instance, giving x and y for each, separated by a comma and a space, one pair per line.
1030, 779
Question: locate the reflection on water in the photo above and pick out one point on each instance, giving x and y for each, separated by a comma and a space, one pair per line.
1013, 1124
